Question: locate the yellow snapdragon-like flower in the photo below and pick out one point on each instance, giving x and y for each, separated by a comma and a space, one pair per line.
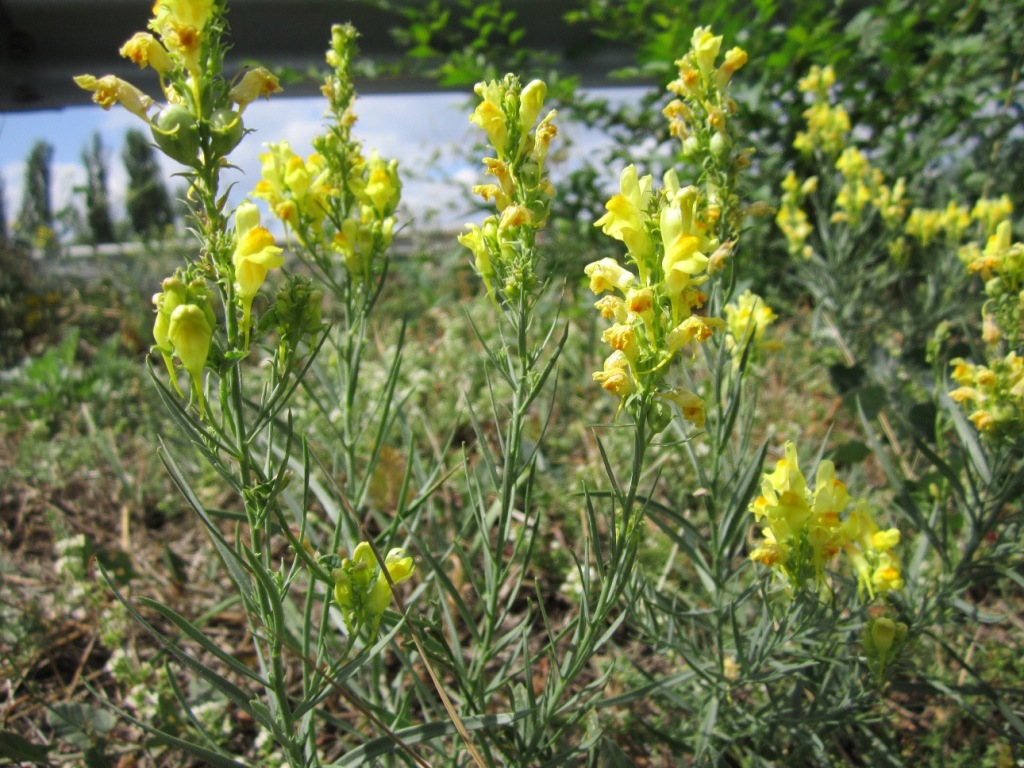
993, 394
924, 225
184, 329
382, 188
109, 90
254, 256
705, 47
180, 25
256, 83
191, 13
627, 218
690, 405
298, 191
190, 334
614, 376
146, 51
666, 238
791, 218
362, 590
489, 115
872, 552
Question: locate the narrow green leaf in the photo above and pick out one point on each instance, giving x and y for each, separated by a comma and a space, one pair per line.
420, 734
193, 632
231, 559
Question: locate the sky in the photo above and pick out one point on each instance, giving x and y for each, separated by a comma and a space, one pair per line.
427, 133
412, 128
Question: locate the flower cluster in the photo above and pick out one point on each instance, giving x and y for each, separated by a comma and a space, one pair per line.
1001, 266
361, 588
746, 320
201, 121
804, 530
791, 218
502, 245
675, 238
337, 203
993, 391
926, 225
700, 117
668, 241
199, 125
993, 394
862, 187
828, 125
184, 328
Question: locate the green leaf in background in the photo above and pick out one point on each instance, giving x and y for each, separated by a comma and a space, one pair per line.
16, 748
850, 452
80, 724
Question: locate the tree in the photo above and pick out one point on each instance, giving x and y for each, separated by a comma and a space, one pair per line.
148, 204
35, 220
97, 199
4, 239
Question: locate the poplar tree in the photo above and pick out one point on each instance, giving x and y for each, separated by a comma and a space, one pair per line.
35, 221
97, 198
148, 204
4, 237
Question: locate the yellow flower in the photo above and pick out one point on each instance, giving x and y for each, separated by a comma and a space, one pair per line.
110, 90
192, 13
622, 337
361, 588
817, 80
608, 274
257, 82
399, 567
489, 116
705, 48
165, 302
255, 255
626, 219
545, 132
690, 404
145, 50
734, 59
476, 240
382, 186
770, 552
682, 258
887, 575
746, 319
531, 101
614, 376
190, 333
694, 328
992, 211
